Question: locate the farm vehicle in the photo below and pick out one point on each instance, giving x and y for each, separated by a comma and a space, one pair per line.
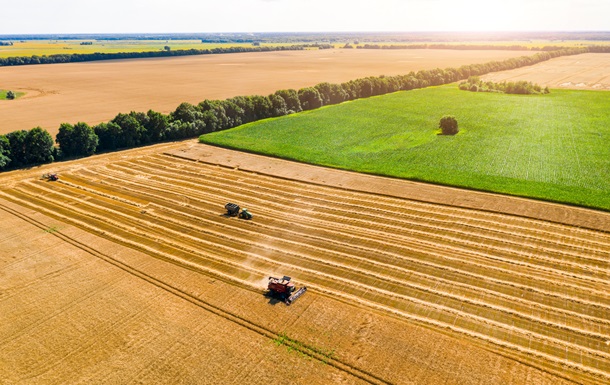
284, 290
50, 176
233, 210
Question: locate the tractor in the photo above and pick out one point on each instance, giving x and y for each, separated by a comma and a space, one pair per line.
233, 211
245, 214
284, 290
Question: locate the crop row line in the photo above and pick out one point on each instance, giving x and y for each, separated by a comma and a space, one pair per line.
220, 245
223, 313
369, 231
425, 228
425, 209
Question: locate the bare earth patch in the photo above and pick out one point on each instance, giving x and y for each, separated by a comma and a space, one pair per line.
586, 71
94, 92
125, 270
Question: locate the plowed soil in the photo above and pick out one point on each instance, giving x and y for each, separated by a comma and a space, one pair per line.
95, 92
584, 72
127, 270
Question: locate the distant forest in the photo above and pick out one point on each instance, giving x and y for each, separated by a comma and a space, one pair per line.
83, 57
334, 37
322, 40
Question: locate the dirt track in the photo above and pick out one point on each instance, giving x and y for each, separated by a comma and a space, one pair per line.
96, 91
532, 290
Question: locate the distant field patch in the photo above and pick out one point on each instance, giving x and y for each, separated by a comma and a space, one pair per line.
551, 147
162, 84
590, 71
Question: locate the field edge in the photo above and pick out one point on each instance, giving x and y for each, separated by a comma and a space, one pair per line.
539, 209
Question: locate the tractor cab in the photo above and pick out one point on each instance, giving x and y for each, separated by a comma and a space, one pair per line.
245, 214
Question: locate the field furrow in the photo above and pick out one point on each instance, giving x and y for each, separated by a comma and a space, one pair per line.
547, 251
397, 256
524, 227
535, 288
321, 221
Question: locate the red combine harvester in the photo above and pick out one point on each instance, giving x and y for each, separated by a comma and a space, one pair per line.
284, 289
50, 176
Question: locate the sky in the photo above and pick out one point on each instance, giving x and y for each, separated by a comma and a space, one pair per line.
154, 16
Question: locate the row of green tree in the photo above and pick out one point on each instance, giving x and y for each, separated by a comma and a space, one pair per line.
522, 87
22, 148
83, 57
72, 58
599, 49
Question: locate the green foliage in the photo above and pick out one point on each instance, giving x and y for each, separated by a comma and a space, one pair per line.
108, 134
306, 351
186, 112
146, 53
324, 89
310, 98
521, 87
448, 125
553, 148
155, 126
137, 128
39, 146
77, 140
131, 131
5, 151
30, 147
278, 105
291, 97
18, 150
51, 229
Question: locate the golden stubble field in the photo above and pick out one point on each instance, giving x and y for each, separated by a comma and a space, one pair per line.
589, 71
125, 270
95, 92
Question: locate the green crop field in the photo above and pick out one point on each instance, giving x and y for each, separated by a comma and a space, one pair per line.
553, 147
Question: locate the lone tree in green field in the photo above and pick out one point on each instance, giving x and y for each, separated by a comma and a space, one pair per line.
10, 95
449, 125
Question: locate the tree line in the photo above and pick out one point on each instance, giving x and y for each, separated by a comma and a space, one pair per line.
80, 57
599, 49
84, 57
23, 148
522, 87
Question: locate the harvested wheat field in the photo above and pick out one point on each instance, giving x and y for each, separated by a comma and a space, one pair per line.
590, 71
126, 270
94, 92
